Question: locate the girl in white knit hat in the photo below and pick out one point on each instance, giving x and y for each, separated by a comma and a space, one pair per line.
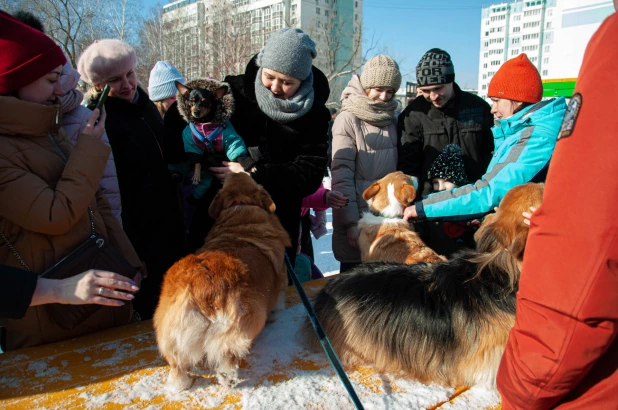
364, 148
162, 85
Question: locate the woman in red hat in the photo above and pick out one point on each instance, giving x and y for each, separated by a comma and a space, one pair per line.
525, 134
46, 188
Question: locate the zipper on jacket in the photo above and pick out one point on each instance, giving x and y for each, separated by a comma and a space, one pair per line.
153, 136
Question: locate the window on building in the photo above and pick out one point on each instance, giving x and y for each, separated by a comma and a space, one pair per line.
317, 11
496, 62
530, 36
326, 13
484, 86
486, 33
533, 59
491, 73
485, 55
486, 22
485, 65
532, 12
516, 29
546, 60
356, 17
356, 4
484, 76
544, 73
550, 13
486, 44
517, 17
293, 8
515, 40
547, 48
294, 20
532, 24
515, 52
548, 25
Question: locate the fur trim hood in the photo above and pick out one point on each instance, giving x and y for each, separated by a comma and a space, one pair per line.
224, 109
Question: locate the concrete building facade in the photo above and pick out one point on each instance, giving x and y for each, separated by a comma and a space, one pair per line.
552, 33
201, 34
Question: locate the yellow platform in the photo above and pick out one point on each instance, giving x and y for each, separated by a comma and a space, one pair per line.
121, 369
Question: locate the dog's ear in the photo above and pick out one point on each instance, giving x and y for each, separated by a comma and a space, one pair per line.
216, 206
518, 244
371, 191
266, 201
407, 194
220, 92
489, 238
183, 89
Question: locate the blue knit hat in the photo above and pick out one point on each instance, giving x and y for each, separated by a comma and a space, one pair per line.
161, 83
289, 51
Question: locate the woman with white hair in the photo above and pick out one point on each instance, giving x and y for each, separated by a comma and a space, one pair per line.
151, 214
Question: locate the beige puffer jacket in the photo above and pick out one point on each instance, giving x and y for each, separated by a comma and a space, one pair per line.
44, 203
362, 154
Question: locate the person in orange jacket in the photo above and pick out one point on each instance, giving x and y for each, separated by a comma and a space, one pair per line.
563, 352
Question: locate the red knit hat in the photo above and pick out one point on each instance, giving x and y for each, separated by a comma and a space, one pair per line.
27, 54
517, 80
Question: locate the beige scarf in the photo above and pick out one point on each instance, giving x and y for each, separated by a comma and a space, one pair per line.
376, 113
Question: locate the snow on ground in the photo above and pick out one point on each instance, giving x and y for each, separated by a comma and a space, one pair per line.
279, 373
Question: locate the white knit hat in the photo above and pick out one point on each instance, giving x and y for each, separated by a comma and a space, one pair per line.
162, 81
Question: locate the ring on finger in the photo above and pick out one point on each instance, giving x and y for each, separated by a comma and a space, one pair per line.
101, 290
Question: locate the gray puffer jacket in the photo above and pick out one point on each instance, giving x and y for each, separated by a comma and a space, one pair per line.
362, 154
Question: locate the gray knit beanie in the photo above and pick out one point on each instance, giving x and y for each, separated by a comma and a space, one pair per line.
381, 71
435, 68
288, 51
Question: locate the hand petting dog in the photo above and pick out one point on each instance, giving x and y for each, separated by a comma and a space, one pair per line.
227, 168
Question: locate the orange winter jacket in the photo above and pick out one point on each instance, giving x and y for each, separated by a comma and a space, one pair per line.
562, 352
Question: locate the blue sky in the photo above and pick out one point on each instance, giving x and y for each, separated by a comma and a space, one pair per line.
408, 28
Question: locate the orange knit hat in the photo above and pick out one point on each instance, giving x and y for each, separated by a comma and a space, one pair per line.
517, 80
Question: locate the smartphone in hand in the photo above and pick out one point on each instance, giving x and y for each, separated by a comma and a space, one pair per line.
102, 99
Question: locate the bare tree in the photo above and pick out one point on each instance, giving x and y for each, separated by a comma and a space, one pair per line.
341, 51
151, 43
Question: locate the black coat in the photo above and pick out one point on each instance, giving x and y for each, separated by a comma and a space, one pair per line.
151, 212
425, 130
290, 159
16, 291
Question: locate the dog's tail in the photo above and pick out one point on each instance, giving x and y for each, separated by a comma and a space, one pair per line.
215, 281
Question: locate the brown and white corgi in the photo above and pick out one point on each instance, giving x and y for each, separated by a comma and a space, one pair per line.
384, 235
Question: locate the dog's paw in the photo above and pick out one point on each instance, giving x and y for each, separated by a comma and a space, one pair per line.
178, 381
228, 378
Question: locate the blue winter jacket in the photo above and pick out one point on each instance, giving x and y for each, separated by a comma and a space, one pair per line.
524, 144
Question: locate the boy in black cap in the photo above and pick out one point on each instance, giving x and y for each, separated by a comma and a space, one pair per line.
447, 172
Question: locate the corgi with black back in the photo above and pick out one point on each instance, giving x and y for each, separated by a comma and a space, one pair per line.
209, 138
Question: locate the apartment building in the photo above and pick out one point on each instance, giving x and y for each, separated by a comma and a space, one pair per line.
218, 37
552, 33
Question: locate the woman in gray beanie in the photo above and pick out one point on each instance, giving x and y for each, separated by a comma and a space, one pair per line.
364, 148
281, 115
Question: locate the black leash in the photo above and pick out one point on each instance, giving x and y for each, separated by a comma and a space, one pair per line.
328, 349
